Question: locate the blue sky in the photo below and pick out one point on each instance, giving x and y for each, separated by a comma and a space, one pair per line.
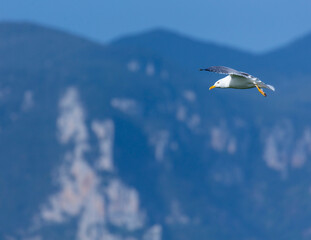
255, 25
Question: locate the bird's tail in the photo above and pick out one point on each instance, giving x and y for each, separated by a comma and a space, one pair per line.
267, 86
271, 87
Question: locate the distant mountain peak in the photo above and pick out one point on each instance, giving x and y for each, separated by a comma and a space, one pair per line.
182, 49
25, 26
24, 29
163, 32
159, 34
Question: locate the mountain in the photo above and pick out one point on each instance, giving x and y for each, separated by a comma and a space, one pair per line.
293, 58
124, 140
184, 50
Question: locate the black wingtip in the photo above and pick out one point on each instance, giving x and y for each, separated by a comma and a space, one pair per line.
201, 69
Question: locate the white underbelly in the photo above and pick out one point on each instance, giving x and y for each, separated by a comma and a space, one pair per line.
241, 82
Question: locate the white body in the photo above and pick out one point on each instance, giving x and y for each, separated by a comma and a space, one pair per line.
239, 82
232, 81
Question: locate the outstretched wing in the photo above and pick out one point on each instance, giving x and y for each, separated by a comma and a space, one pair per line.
226, 70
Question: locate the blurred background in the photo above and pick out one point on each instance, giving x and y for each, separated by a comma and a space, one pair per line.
108, 130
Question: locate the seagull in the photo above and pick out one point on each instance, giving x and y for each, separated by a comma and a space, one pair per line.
237, 79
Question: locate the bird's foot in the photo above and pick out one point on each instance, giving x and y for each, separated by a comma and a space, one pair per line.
261, 91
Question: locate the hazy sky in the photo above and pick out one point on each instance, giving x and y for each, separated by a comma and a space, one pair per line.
255, 25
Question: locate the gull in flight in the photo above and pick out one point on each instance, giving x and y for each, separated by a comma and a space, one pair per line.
237, 79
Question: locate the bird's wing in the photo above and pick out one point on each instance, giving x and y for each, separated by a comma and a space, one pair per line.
226, 70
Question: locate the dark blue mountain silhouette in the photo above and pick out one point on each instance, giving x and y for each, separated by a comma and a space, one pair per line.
188, 162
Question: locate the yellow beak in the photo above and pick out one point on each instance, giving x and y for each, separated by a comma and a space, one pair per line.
212, 87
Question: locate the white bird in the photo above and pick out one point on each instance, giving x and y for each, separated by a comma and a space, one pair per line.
237, 79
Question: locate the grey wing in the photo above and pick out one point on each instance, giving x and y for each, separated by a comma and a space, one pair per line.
226, 70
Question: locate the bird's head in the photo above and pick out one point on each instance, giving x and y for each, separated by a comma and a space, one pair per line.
219, 84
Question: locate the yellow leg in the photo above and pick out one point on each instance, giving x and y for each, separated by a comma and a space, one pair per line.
260, 90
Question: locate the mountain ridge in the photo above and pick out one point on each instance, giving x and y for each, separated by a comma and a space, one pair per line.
123, 143
16, 26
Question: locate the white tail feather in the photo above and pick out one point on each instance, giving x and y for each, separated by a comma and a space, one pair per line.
267, 86
271, 87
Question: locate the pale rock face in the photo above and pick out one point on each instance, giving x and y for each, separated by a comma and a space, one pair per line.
273, 155
218, 139
228, 177
154, 233
126, 105
222, 140
76, 178
176, 215
181, 113
302, 150
150, 69
105, 133
81, 193
71, 120
284, 148
123, 206
232, 146
192, 120
160, 141
190, 96
28, 101
133, 66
